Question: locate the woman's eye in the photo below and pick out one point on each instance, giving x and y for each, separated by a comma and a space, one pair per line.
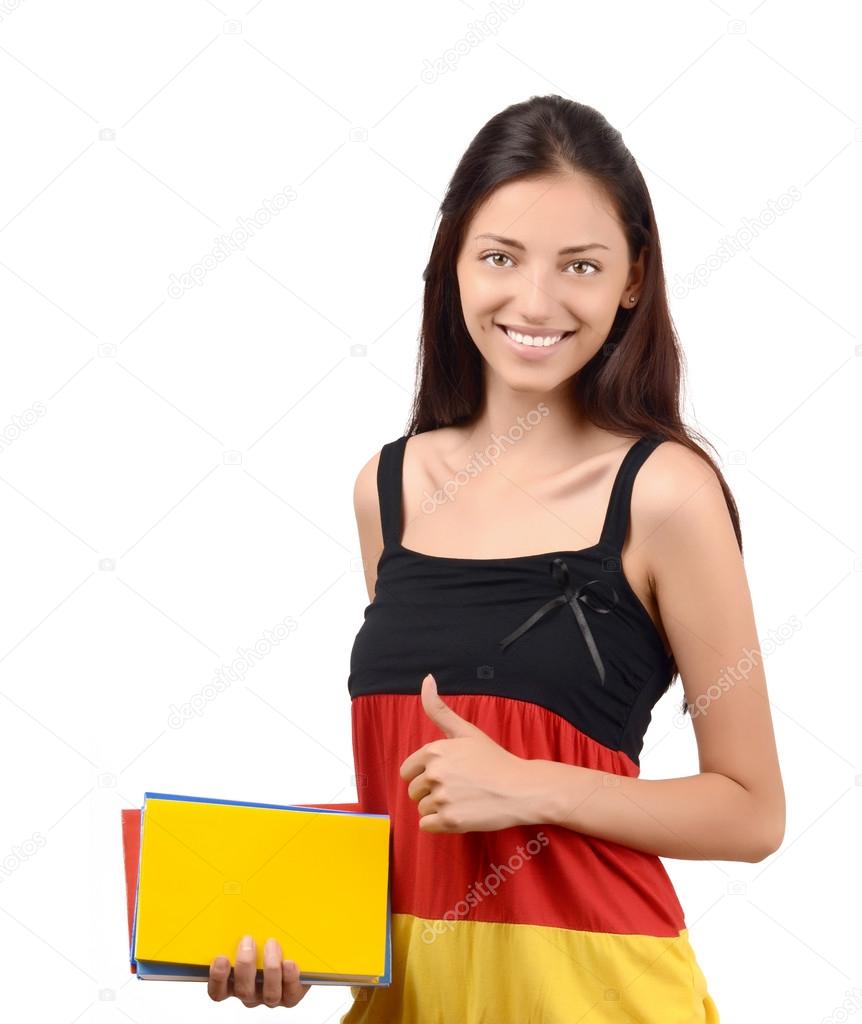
577, 263
584, 263
490, 255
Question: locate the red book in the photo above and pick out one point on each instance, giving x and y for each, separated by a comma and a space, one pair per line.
131, 854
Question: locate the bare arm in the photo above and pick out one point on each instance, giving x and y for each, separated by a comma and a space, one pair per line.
734, 808
366, 505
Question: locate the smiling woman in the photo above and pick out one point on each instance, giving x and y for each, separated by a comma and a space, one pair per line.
572, 303
541, 337
522, 629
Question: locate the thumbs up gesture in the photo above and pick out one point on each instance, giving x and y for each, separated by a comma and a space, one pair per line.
467, 782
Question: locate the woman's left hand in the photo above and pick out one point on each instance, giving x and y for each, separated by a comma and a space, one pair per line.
467, 782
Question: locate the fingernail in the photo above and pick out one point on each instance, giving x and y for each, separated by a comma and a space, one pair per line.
269, 948
247, 943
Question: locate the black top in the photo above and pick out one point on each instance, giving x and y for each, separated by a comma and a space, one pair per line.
560, 629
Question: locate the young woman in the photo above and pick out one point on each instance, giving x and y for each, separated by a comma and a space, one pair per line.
546, 548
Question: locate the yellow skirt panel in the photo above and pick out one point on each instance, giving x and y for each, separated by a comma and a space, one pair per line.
480, 972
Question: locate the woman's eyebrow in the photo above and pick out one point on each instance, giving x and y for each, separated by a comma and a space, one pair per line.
515, 244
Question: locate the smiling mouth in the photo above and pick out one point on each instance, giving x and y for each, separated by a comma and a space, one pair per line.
535, 341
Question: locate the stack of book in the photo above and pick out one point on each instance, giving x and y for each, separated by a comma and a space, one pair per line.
203, 872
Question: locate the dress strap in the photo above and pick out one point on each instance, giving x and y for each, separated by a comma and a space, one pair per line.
389, 488
619, 507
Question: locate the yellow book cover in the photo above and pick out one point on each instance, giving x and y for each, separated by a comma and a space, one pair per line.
211, 871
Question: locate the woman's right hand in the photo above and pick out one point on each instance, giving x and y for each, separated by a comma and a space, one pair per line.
280, 987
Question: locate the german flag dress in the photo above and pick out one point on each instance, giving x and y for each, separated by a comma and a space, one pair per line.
554, 656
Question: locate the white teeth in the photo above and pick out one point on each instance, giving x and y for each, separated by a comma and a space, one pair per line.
526, 339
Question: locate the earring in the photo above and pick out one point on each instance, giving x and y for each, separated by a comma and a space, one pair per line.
632, 298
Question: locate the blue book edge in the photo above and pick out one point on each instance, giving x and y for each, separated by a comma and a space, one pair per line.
251, 803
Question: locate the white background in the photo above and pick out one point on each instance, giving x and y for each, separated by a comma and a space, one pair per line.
176, 470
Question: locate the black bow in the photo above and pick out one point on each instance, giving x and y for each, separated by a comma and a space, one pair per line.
560, 572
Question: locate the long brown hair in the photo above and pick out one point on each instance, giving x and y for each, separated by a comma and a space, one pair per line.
632, 384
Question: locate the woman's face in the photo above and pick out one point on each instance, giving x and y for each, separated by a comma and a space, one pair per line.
523, 277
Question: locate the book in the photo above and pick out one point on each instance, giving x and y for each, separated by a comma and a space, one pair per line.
201, 872
131, 833
131, 823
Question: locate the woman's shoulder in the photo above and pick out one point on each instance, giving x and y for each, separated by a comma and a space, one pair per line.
672, 471
678, 503
428, 443
438, 439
